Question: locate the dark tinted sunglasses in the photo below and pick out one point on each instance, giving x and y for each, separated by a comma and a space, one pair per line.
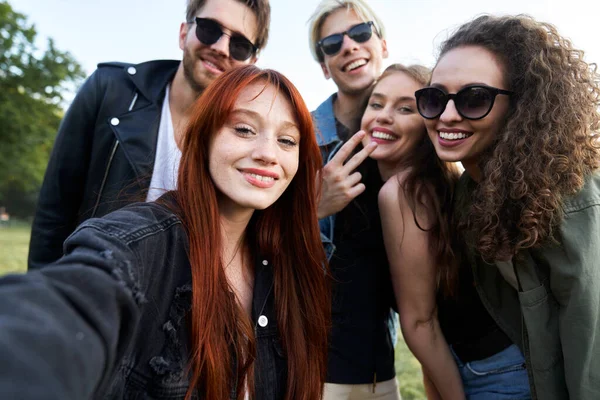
360, 33
471, 102
209, 32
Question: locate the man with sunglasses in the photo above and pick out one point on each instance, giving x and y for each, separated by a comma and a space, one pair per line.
119, 140
347, 40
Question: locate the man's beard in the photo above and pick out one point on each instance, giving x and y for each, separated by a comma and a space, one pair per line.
188, 71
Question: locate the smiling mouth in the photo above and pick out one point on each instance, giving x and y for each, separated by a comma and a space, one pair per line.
355, 64
213, 66
383, 136
454, 135
262, 178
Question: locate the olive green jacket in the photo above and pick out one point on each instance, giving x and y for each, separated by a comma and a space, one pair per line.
552, 308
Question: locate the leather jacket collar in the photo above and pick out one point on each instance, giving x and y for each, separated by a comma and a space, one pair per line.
150, 77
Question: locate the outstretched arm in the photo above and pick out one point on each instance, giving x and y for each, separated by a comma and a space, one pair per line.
63, 328
413, 272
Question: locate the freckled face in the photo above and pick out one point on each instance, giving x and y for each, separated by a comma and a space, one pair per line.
391, 118
458, 68
254, 156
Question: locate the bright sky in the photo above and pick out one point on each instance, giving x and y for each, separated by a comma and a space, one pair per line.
139, 30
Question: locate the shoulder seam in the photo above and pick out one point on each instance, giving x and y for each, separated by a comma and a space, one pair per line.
114, 64
571, 209
130, 237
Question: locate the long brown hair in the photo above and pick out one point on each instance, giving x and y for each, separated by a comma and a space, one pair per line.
429, 184
286, 233
549, 142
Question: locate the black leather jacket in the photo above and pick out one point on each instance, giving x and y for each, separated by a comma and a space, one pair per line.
104, 152
109, 320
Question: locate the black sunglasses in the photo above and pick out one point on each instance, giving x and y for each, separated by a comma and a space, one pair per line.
209, 32
471, 102
359, 33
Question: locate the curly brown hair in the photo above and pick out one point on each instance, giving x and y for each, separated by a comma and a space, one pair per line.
549, 142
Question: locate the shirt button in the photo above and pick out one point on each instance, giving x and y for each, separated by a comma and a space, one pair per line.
263, 321
265, 262
131, 70
114, 121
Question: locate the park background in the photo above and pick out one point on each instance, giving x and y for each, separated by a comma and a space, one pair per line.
47, 47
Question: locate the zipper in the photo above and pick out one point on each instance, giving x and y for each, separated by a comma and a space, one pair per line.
374, 381
133, 102
112, 155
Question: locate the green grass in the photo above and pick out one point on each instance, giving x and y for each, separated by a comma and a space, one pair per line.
14, 244
408, 373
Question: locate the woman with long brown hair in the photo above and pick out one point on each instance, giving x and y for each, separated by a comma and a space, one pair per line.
414, 205
216, 291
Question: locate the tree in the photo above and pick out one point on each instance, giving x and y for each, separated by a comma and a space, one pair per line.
33, 83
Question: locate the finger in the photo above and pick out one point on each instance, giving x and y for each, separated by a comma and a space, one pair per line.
354, 179
359, 157
346, 150
356, 190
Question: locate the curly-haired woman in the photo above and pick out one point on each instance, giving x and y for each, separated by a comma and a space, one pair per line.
519, 107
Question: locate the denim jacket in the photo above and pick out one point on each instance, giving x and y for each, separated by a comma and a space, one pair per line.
109, 319
329, 143
553, 313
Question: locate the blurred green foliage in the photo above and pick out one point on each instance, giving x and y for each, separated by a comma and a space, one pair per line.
33, 83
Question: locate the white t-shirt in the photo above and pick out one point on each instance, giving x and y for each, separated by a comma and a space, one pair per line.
168, 155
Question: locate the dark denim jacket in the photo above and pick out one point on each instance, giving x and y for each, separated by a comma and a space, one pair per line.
108, 320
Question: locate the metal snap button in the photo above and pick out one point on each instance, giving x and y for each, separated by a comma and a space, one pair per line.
131, 70
114, 121
265, 262
263, 321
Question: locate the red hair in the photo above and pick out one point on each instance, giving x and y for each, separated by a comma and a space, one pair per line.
287, 233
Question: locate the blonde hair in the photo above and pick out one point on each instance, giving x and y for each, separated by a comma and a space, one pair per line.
417, 72
326, 7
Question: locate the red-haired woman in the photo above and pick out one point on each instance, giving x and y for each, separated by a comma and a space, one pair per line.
216, 291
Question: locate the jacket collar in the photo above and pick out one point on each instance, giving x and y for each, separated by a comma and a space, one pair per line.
150, 78
137, 129
324, 119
